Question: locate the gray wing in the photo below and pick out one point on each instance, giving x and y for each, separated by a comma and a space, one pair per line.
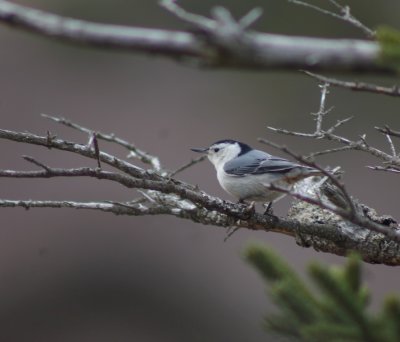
258, 162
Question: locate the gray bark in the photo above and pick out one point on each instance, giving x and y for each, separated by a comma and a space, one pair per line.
221, 44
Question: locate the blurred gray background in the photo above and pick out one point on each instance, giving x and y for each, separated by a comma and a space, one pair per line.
86, 276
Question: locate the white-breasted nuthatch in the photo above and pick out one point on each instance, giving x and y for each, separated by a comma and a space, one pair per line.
246, 173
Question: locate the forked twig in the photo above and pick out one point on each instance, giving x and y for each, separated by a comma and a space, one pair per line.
136, 152
344, 15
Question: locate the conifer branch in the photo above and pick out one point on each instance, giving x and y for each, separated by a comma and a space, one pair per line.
338, 313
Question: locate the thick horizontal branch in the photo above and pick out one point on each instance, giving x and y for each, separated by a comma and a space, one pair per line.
228, 46
304, 224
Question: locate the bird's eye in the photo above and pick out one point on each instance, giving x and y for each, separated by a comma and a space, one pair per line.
216, 149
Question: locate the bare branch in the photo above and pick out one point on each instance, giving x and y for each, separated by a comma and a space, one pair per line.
328, 151
35, 162
358, 145
338, 124
83, 150
218, 41
250, 18
287, 132
391, 145
93, 140
171, 197
134, 151
384, 168
194, 19
388, 131
224, 45
357, 86
136, 177
349, 212
322, 111
115, 208
344, 15
187, 165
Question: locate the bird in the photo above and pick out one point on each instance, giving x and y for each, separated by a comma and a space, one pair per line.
247, 174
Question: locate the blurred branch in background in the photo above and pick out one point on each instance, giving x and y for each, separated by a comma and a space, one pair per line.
219, 41
337, 312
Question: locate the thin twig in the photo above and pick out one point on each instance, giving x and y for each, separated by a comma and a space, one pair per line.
37, 163
288, 132
230, 232
179, 12
338, 124
391, 145
187, 165
136, 152
384, 168
328, 151
96, 149
250, 18
80, 149
357, 86
322, 111
388, 131
344, 15
358, 145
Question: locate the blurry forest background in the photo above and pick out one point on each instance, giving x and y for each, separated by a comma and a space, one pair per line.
87, 276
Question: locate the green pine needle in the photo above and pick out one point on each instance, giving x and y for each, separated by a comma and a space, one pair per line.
389, 41
352, 272
390, 319
268, 263
338, 313
335, 288
329, 332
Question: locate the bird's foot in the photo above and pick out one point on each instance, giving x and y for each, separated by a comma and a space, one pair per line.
268, 209
250, 208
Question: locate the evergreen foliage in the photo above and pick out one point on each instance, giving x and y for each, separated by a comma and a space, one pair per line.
389, 40
335, 310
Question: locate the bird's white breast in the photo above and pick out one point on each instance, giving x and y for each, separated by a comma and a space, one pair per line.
252, 188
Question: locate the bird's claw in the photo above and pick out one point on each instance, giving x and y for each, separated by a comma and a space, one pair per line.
250, 208
268, 209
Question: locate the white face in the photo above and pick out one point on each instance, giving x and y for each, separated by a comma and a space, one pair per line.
219, 154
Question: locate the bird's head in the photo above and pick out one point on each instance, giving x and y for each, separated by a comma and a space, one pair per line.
223, 151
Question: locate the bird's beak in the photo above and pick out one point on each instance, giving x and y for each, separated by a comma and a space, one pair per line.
200, 150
